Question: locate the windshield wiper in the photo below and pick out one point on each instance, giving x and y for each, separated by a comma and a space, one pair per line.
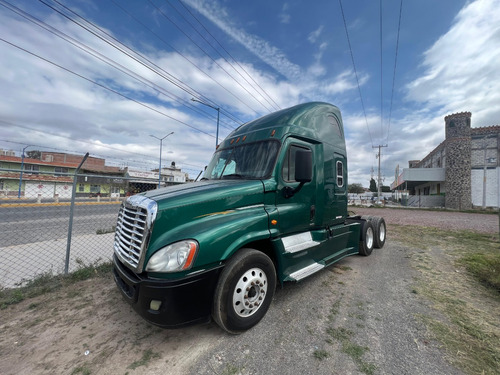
233, 175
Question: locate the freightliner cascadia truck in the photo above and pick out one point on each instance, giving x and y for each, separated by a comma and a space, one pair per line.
270, 208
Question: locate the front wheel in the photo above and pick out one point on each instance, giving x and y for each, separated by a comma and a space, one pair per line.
244, 291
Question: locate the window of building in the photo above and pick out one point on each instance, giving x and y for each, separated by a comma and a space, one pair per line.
60, 170
115, 190
31, 169
340, 174
95, 189
81, 188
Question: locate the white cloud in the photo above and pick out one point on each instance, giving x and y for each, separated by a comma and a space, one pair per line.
313, 36
461, 68
271, 55
285, 16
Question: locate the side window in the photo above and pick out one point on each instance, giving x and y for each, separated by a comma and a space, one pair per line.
340, 174
335, 126
288, 171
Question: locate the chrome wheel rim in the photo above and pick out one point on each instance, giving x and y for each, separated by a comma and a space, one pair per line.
250, 292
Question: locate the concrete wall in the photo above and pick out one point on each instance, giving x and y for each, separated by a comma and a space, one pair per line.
492, 189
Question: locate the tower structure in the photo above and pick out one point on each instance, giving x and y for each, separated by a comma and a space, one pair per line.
458, 161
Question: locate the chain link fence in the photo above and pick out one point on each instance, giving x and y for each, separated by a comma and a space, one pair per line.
54, 224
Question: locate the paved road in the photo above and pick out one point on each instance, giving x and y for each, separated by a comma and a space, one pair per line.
27, 224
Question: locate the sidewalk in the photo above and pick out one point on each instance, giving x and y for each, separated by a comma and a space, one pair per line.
22, 263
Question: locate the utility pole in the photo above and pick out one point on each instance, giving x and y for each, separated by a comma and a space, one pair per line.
379, 182
218, 114
161, 142
21, 175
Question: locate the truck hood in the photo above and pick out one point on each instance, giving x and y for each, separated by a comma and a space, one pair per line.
208, 197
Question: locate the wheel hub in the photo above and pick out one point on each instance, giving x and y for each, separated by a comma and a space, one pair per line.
249, 292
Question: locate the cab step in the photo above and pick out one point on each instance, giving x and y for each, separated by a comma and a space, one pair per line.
306, 271
298, 242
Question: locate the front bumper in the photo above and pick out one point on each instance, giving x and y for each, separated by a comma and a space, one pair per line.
183, 302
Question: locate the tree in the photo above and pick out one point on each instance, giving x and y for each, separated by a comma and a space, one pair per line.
373, 186
355, 189
386, 189
34, 154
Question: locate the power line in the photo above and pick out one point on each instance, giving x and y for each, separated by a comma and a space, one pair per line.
227, 114
355, 72
151, 164
109, 40
160, 90
106, 88
220, 66
269, 100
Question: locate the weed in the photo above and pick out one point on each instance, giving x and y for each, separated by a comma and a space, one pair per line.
147, 356
485, 267
83, 370
320, 354
467, 327
352, 349
231, 370
340, 334
47, 282
106, 230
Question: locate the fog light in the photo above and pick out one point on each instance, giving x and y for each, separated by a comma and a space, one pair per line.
155, 305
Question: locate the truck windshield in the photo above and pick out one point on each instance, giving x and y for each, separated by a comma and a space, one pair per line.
248, 161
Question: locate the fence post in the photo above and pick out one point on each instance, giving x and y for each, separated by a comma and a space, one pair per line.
71, 210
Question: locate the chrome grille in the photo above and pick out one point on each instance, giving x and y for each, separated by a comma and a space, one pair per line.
133, 228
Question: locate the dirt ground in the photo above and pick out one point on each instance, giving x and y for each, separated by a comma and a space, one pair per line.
364, 303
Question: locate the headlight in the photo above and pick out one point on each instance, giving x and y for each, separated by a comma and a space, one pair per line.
178, 256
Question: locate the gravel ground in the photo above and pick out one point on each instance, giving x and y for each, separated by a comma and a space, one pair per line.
367, 299
358, 316
484, 223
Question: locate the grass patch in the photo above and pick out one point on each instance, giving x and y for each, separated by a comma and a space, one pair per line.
320, 354
81, 370
106, 230
484, 267
47, 283
147, 356
459, 272
352, 349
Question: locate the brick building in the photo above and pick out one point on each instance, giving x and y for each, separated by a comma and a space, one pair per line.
460, 173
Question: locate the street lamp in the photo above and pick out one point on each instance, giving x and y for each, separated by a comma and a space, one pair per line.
161, 142
218, 113
21, 176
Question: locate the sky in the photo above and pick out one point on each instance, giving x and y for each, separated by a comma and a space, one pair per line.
105, 76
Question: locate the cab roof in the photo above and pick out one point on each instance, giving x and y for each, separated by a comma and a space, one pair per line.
317, 120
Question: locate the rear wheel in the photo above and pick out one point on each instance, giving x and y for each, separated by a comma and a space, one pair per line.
367, 238
244, 291
380, 231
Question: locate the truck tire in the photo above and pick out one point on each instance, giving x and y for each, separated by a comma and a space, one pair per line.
244, 291
367, 238
379, 229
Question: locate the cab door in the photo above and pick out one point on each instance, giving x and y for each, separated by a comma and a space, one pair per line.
297, 212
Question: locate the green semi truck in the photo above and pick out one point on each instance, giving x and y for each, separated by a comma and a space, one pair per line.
271, 208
